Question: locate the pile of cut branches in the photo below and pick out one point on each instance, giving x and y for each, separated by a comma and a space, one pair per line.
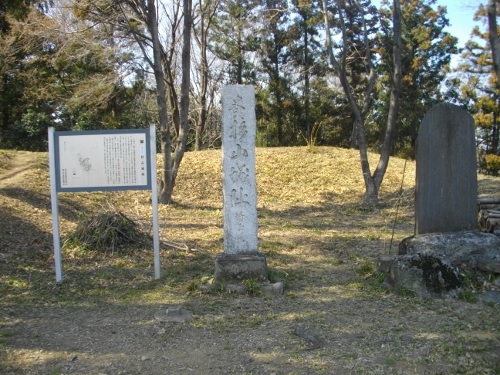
107, 231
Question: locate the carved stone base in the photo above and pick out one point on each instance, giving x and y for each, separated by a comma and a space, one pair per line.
234, 268
435, 265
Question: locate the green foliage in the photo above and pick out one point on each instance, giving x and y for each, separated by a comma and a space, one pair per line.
4, 334
273, 58
405, 293
330, 110
67, 80
492, 163
426, 54
253, 287
391, 362
273, 275
471, 281
218, 288
29, 133
306, 56
18, 9
468, 296
234, 38
366, 269
192, 285
479, 88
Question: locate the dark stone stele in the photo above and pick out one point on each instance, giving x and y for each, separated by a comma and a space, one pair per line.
234, 268
446, 178
446, 252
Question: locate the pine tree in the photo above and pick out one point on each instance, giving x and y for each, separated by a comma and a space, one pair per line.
426, 54
480, 89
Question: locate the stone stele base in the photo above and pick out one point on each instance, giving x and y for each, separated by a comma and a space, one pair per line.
234, 268
436, 265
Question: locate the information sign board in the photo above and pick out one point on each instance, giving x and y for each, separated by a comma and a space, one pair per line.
102, 160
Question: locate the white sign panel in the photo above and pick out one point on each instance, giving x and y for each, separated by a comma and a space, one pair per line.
102, 160
96, 160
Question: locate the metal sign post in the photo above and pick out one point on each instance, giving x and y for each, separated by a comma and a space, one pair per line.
55, 207
154, 200
102, 160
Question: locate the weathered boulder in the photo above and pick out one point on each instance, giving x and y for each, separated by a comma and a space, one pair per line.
175, 314
434, 265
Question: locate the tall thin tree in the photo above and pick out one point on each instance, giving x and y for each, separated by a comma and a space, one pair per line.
174, 130
206, 13
360, 109
493, 35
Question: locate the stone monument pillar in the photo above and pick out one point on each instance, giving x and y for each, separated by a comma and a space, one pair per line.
241, 259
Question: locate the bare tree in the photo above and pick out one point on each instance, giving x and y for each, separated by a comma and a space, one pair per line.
360, 109
163, 62
155, 28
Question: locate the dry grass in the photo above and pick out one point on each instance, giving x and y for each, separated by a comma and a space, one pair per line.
5, 157
317, 238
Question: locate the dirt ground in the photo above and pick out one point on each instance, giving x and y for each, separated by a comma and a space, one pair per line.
349, 323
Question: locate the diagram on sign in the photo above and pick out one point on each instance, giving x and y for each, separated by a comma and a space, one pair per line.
84, 163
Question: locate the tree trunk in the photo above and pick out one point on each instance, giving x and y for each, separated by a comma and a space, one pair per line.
207, 13
279, 96
239, 67
172, 157
202, 114
181, 141
493, 35
5, 112
161, 100
394, 98
354, 134
306, 80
